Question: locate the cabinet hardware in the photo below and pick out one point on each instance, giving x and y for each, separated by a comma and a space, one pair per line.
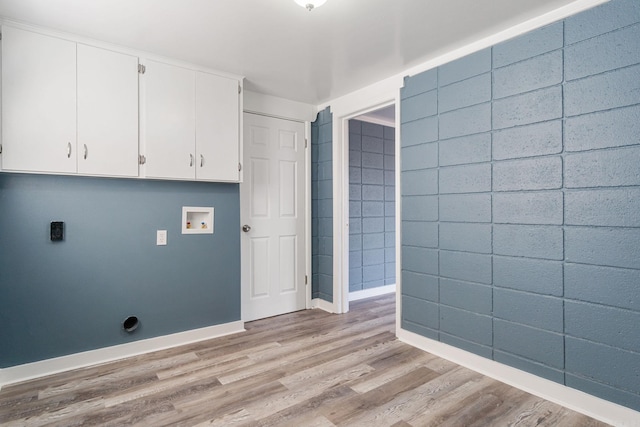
86, 151
190, 160
141, 69
68, 150
239, 167
239, 89
201, 160
0, 148
142, 159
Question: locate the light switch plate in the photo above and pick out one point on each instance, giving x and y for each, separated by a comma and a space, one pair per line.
161, 238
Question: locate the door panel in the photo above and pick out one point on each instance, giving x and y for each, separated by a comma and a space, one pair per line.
273, 205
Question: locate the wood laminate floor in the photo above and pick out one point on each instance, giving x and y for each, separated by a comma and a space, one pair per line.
308, 368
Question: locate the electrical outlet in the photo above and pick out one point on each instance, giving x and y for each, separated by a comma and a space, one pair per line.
161, 237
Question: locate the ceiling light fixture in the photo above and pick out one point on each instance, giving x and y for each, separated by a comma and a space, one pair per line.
310, 4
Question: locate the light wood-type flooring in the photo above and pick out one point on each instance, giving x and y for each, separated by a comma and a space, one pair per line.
308, 368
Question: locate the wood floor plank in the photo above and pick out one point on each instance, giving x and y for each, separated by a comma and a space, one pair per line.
308, 368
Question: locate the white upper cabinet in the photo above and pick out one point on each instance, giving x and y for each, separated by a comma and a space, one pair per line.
169, 121
38, 102
191, 124
217, 128
107, 112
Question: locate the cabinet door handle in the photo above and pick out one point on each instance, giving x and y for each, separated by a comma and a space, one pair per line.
190, 160
201, 160
86, 151
68, 150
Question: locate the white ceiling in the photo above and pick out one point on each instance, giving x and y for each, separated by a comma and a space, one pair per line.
281, 48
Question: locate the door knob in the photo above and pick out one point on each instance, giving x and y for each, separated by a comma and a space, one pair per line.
246, 228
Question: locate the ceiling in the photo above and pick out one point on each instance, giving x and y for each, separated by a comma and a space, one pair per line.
281, 48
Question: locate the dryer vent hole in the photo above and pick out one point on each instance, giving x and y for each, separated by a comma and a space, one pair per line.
130, 323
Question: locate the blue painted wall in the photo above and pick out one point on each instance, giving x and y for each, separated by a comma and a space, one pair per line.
372, 216
521, 202
322, 206
58, 298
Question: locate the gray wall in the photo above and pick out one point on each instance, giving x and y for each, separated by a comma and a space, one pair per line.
372, 253
58, 298
521, 202
322, 206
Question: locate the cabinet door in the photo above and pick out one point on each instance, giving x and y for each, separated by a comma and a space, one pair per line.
38, 102
107, 112
169, 121
217, 128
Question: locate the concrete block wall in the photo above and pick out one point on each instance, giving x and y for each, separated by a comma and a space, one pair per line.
520, 182
322, 206
372, 215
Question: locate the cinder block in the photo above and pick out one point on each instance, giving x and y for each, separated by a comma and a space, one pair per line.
373, 192
467, 296
372, 144
355, 192
617, 207
325, 287
407, 325
419, 182
419, 106
389, 273
389, 224
355, 175
389, 209
372, 273
372, 209
355, 140
372, 160
619, 88
390, 255
585, 358
534, 344
531, 44
532, 74
324, 152
373, 241
465, 207
465, 266
372, 257
423, 82
389, 193
538, 311
389, 178
355, 278
419, 131
372, 129
325, 208
613, 247
372, 225
465, 179
601, 19
532, 107
325, 264
420, 260
526, 141
602, 285
603, 53
475, 90
606, 325
420, 208
355, 243
389, 241
465, 237
355, 127
466, 325
389, 135
479, 349
533, 241
523, 364
607, 168
543, 173
465, 67
419, 311
325, 227
420, 233
421, 156
531, 275
389, 163
615, 128
355, 259
466, 121
543, 208
420, 286
467, 149
389, 146
355, 208
372, 176
325, 133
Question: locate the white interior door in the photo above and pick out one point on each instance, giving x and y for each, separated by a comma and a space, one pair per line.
272, 200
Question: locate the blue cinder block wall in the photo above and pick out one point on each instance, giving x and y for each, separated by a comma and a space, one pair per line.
59, 298
372, 216
521, 202
322, 206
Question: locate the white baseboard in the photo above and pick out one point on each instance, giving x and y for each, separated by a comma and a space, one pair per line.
43, 368
576, 400
373, 292
322, 305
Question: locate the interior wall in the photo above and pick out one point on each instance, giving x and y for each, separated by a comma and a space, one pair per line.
520, 214
322, 207
59, 298
371, 205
